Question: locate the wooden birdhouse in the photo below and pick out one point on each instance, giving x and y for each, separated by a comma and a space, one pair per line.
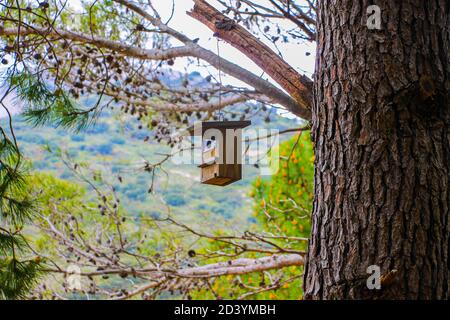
221, 160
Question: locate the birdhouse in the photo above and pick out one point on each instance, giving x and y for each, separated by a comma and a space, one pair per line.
221, 154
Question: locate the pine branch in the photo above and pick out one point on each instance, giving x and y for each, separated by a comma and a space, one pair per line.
44, 106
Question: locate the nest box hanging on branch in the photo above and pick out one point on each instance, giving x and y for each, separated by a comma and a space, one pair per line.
221, 151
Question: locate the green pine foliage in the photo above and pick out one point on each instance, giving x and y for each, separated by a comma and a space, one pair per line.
46, 106
17, 278
18, 272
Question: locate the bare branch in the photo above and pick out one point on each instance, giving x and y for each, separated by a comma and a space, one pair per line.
244, 266
226, 66
189, 50
298, 86
131, 51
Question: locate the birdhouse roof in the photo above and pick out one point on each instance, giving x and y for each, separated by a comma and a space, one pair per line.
221, 125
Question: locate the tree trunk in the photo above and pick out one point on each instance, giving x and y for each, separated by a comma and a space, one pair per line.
381, 127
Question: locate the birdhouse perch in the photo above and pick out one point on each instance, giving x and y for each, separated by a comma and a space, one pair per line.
221, 151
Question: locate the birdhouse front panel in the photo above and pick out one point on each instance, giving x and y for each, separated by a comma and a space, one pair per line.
209, 151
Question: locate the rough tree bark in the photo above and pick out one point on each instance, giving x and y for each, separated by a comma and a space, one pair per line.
381, 126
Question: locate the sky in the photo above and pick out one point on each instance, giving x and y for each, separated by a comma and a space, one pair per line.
295, 54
